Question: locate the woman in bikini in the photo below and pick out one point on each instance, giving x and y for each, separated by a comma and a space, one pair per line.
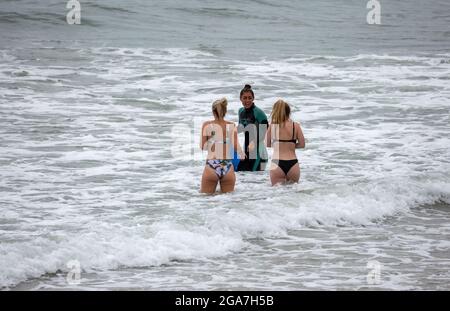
285, 135
219, 138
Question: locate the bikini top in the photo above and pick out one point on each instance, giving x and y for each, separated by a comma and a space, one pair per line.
293, 140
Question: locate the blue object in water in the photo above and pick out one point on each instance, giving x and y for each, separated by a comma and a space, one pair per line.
235, 160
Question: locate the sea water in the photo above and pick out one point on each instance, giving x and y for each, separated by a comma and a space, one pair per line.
100, 166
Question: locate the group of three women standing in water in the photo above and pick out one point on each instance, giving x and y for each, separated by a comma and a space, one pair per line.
219, 138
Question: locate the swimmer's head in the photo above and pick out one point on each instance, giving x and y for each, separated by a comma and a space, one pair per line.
280, 112
219, 108
247, 96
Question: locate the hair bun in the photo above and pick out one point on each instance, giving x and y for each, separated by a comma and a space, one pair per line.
247, 86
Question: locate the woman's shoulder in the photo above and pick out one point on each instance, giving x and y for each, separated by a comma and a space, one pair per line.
297, 125
259, 114
208, 122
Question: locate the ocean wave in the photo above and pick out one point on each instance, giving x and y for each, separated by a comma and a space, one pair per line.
215, 231
44, 17
107, 8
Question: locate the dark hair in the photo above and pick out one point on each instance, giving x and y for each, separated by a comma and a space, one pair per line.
247, 88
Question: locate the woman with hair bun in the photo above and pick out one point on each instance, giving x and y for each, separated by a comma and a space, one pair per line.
219, 138
285, 136
253, 123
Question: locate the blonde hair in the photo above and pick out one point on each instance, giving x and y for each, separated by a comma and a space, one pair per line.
280, 112
219, 108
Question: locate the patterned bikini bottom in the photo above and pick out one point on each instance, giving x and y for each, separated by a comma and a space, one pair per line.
221, 167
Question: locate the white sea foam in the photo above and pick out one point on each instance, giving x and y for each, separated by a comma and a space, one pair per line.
216, 231
87, 171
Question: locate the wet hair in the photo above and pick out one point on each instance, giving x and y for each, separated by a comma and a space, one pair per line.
247, 88
219, 108
280, 112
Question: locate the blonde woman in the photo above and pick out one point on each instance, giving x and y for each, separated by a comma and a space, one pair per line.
219, 138
285, 136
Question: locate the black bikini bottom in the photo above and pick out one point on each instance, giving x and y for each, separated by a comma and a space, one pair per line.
285, 165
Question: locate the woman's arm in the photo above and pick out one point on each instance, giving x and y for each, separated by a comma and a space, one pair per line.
300, 138
204, 137
269, 136
236, 144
